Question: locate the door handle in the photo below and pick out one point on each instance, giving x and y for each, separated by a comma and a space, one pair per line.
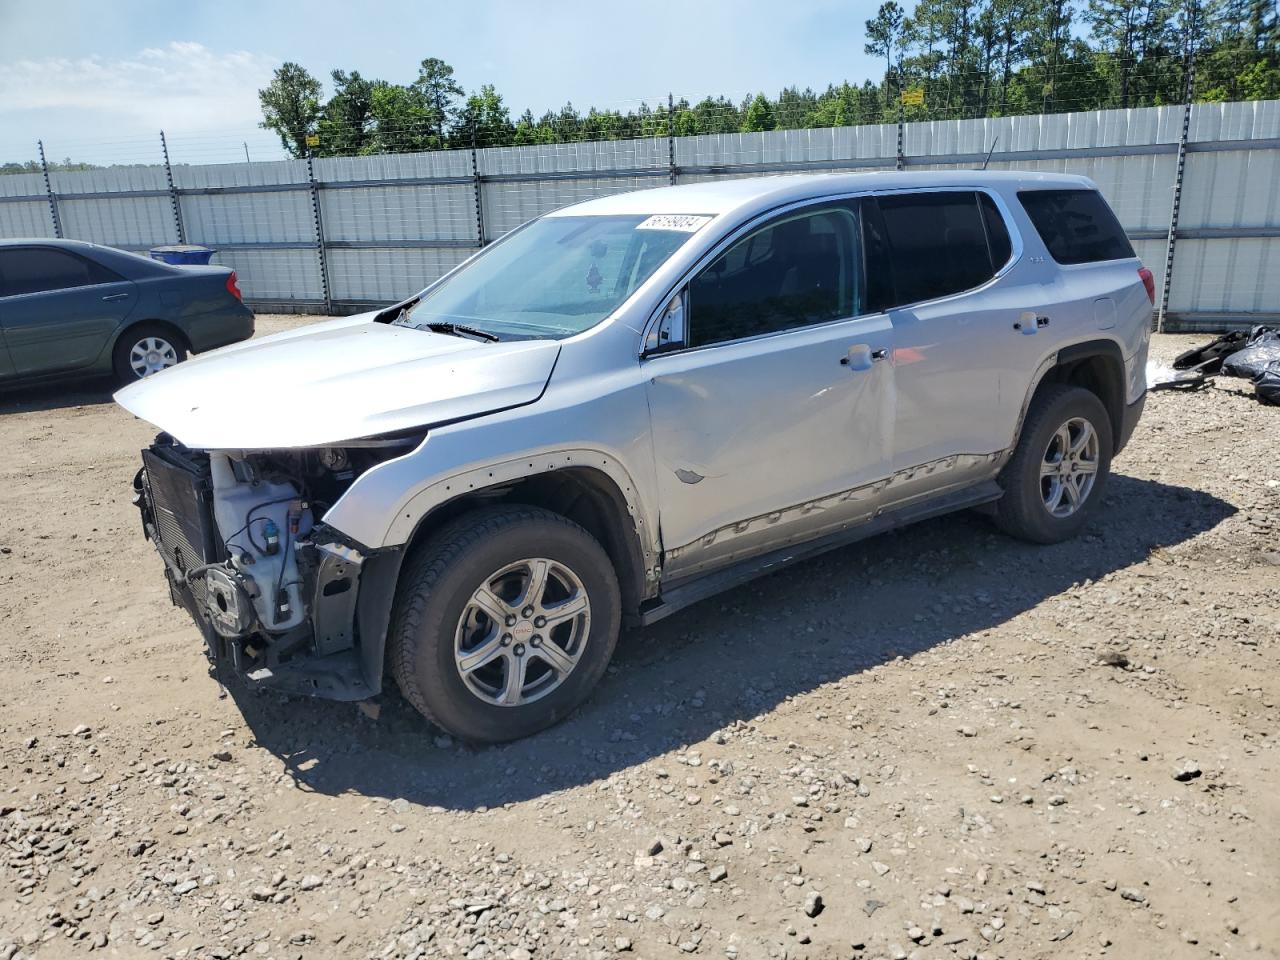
1030, 322
114, 296
860, 357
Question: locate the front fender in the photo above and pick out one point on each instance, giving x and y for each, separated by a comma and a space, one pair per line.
598, 421
361, 513
507, 471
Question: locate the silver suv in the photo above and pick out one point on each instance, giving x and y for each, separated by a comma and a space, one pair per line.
628, 405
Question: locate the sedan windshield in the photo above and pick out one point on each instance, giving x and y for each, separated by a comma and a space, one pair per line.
555, 277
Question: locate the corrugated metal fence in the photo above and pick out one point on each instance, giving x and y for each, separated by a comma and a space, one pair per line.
339, 234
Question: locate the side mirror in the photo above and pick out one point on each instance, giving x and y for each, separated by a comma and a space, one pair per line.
670, 331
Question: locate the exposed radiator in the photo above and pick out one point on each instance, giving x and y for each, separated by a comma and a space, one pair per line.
180, 492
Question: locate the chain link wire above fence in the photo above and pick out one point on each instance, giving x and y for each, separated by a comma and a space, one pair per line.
342, 233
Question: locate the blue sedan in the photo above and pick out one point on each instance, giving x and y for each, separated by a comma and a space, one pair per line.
69, 308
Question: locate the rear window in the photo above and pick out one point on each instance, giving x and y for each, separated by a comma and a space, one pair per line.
1076, 226
934, 245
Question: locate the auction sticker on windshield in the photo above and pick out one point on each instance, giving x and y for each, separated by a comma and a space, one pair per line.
688, 223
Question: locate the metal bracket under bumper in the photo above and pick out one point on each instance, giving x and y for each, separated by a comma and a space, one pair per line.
352, 673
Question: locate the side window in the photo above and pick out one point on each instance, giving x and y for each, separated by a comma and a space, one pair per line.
938, 243
998, 243
794, 272
1076, 226
881, 294
35, 270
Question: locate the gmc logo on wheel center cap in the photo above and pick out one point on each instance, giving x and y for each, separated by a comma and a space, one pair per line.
522, 631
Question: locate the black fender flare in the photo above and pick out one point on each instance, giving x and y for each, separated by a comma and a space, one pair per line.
1111, 385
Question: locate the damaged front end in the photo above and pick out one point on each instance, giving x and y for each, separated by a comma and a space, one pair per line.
283, 598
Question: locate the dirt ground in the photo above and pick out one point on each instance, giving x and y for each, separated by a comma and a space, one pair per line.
940, 743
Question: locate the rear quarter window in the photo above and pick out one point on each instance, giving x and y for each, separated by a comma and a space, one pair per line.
1076, 226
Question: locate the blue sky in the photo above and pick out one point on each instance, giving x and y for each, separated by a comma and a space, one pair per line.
97, 80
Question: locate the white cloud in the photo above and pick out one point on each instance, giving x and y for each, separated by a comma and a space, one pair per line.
182, 88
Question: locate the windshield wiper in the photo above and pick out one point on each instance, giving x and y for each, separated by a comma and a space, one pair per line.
459, 330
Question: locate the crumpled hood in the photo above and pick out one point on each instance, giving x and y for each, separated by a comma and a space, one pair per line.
334, 381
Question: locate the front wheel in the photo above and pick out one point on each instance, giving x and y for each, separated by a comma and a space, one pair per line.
1056, 477
504, 622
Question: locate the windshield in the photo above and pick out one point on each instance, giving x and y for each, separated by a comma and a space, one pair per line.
555, 277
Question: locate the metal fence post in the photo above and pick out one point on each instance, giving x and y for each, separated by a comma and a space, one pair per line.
902, 158
1188, 84
173, 191
671, 139
48, 189
320, 249
477, 190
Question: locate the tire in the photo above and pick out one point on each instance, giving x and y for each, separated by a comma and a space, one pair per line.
146, 349
438, 628
1029, 509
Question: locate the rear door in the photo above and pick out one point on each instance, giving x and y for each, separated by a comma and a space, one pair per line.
771, 421
59, 310
933, 256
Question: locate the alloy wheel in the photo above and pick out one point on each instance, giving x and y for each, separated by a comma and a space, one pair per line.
1069, 467
522, 632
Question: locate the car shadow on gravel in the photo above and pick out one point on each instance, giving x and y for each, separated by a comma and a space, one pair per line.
733, 657
55, 396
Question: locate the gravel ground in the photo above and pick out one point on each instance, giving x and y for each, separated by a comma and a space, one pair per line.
940, 743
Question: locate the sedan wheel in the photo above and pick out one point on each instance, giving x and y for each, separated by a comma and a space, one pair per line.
146, 349
151, 355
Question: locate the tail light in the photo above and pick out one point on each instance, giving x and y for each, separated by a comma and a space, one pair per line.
1148, 281
234, 289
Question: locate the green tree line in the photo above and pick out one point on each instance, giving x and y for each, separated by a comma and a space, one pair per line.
943, 59
33, 166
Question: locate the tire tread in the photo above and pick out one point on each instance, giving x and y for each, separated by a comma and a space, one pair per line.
424, 569
1014, 511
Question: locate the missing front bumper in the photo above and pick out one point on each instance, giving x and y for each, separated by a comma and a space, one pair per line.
334, 653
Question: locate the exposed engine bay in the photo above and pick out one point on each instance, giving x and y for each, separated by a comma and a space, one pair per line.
245, 552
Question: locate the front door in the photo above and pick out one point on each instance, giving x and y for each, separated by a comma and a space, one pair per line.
772, 420
58, 310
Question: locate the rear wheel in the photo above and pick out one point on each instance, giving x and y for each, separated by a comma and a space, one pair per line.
504, 622
1056, 477
146, 349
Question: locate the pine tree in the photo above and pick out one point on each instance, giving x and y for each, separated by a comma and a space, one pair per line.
291, 107
345, 127
887, 33
440, 93
483, 121
758, 115
1126, 31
